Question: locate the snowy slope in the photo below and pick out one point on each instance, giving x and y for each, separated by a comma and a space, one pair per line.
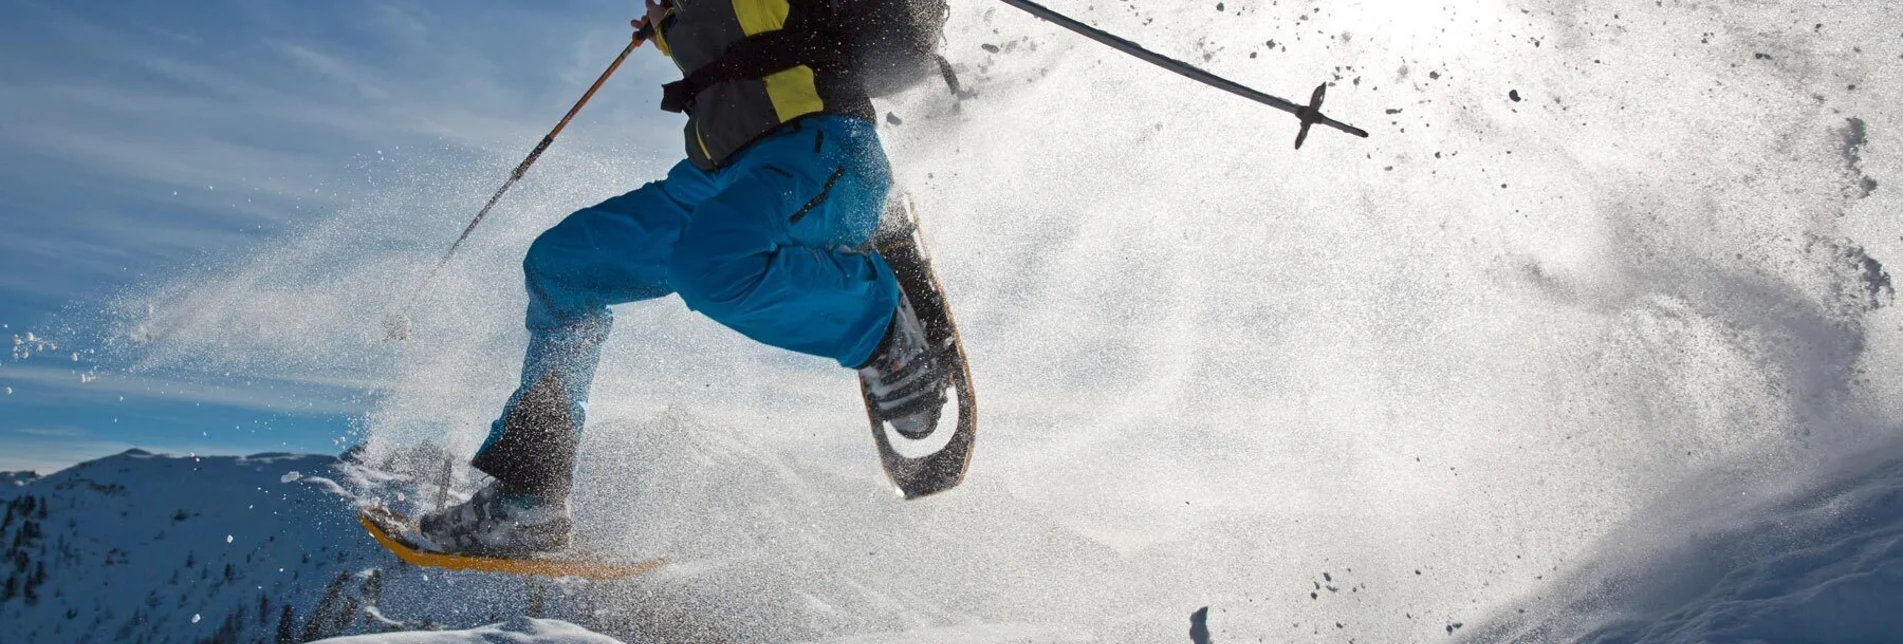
1824, 564
516, 631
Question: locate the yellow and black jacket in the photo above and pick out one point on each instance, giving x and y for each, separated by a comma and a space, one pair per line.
750, 66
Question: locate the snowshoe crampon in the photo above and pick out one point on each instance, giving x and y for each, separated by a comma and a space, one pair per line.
922, 463
396, 532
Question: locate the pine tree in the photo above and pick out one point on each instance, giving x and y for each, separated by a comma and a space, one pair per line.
334, 613
31, 589
229, 630
373, 587
287, 626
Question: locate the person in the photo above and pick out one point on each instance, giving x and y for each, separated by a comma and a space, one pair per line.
764, 227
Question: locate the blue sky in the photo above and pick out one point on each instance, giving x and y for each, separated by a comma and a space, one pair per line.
141, 141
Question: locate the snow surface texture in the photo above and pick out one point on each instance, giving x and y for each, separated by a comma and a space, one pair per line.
1604, 293
1825, 565
518, 631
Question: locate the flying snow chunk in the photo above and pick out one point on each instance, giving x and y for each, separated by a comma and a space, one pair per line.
227, 538
290, 476
195, 618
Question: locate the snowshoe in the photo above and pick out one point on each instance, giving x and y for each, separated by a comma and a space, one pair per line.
923, 436
401, 535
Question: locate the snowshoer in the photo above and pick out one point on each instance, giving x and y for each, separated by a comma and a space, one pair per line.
763, 228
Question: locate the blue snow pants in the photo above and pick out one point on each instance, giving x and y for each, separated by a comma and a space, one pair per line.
767, 245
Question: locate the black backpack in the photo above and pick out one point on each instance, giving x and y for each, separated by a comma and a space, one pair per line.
886, 46
891, 45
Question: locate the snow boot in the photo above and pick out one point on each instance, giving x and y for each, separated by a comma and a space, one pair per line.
499, 522
907, 377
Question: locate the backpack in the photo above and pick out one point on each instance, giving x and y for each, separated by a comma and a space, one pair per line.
887, 46
892, 45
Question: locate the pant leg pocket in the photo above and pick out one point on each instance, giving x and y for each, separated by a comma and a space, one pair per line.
831, 185
800, 191
819, 198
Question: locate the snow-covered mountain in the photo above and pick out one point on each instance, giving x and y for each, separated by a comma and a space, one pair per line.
140, 547
144, 547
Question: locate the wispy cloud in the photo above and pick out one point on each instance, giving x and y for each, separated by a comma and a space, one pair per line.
53, 386
238, 119
51, 431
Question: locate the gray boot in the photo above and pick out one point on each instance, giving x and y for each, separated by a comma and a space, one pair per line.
906, 378
498, 522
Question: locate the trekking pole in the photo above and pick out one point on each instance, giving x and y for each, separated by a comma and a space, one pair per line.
1309, 114
398, 325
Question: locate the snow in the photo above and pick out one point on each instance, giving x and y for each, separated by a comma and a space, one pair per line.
10, 481
515, 631
1822, 565
1621, 354
1818, 563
